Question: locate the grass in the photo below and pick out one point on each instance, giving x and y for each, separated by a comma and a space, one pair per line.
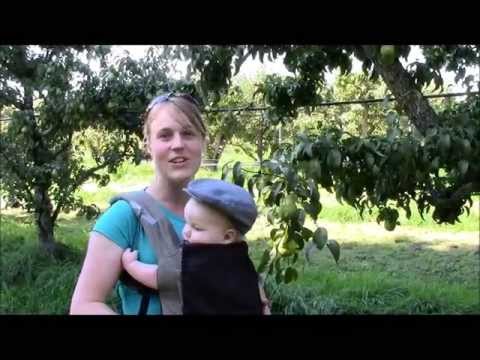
129, 174
420, 268
381, 272
32, 282
376, 274
371, 293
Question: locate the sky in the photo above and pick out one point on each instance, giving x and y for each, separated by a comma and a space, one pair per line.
252, 67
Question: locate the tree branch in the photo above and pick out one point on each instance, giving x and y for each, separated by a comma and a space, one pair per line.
247, 152
75, 185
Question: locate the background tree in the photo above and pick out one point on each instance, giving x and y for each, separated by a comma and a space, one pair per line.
222, 126
358, 119
362, 119
54, 99
247, 130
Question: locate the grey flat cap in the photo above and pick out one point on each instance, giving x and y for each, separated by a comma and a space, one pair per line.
232, 200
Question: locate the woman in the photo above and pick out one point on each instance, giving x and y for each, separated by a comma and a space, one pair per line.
174, 137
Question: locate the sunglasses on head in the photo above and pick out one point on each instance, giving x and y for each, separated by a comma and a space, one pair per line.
165, 97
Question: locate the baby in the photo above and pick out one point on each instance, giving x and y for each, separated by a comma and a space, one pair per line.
217, 275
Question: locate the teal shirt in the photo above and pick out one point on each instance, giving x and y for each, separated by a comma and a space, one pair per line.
120, 225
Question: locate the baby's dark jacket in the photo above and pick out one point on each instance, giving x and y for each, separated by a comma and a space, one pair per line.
219, 279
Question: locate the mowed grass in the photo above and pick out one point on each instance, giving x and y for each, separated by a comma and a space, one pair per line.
381, 272
378, 272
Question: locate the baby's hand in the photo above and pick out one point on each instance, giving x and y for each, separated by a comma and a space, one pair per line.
128, 257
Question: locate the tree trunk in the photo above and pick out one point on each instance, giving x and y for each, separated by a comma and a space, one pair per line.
43, 208
44, 220
409, 98
218, 146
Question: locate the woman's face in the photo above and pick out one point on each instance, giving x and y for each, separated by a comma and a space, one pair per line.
174, 145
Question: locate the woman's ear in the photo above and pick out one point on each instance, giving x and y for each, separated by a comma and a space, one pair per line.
230, 236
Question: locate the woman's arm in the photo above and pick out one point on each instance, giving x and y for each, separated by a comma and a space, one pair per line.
100, 271
144, 273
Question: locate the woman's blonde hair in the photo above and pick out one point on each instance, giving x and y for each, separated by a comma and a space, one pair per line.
185, 104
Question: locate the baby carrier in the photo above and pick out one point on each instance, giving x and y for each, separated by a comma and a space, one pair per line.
167, 247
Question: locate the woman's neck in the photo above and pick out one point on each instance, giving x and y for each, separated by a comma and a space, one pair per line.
171, 195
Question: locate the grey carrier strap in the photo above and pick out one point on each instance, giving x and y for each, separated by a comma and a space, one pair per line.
167, 246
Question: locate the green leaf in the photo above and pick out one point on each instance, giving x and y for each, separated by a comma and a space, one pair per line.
277, 191
300, 217
470, 201
308, 150
306, 233
334, 248
290, 274
297, 151
408, 211
320, 237
238, 177
362, 209
313, 209
273, 232
273, 166
431, 132
294, 258
314, 194
463, 167
334, 159
380, 217
225, 170
370, 159
237, 169
338, 195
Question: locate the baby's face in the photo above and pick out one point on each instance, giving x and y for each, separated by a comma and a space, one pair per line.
205, 225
